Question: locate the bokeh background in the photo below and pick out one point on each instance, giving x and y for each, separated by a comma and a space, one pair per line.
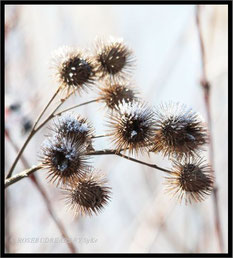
140, 216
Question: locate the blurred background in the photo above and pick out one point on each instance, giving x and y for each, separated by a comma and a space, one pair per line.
140, 217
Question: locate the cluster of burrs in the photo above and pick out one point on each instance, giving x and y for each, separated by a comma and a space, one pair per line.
170, 129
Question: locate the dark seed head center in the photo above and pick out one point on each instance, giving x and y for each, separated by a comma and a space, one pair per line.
76, 71
60, 161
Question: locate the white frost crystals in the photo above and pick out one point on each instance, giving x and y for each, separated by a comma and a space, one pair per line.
133, 133
69, 123
134, 109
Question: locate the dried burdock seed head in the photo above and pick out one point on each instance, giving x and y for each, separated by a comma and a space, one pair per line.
65, 159
73, 69
133, 127
190, 180
114, 59
74, 126
89, 195
180, 131
115, 92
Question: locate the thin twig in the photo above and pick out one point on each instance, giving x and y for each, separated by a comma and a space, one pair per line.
115, 152
206, 88
44, 196
143, 163
79, 105
30, 135
100, 136
52, 115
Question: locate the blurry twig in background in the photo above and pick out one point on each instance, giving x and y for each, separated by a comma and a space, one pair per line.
11, 23
162, 228
206, 88
150, 226
39, 187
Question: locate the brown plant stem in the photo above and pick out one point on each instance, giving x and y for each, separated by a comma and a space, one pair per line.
30, 135
39, 187
206, 88
27, 172
114, 152
100, 136
143, 163
79, 105
23, 174
52, 115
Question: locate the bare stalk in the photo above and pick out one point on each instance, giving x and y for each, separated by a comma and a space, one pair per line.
30, 135
143, 163
79, 105
206, 88
115, 152
100, 136
19, 176
52, 115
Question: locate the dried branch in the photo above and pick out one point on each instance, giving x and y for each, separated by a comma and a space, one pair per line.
52, 115
100, 136
19, 176
115, 152
79, 105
